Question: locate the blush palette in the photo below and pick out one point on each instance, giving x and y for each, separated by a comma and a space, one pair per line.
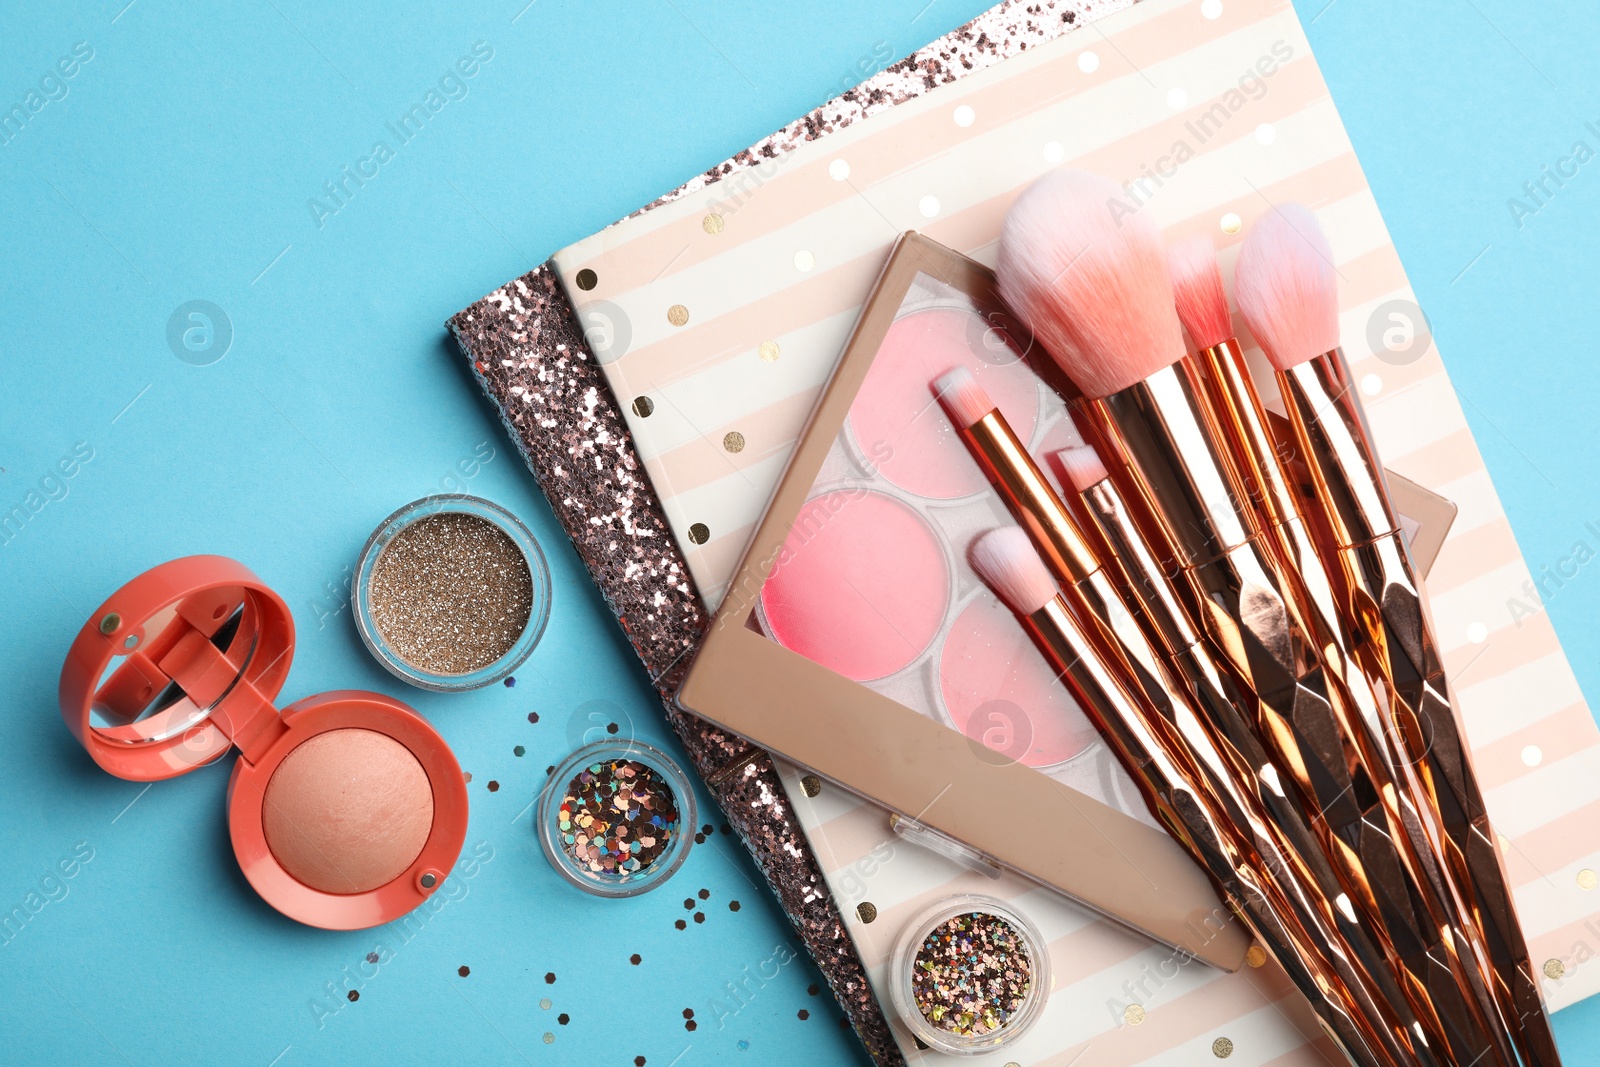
857, 639
872, 581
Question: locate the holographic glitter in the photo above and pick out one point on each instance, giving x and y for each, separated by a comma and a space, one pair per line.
971, 974
617, 818
451, 593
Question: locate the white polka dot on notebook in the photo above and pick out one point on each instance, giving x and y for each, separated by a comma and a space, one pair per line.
1211, 9
1533, 755
838, 170
804, 261
964, 115
1177, 98
1266, 133
1053, 152
1372, 385
928, 206
1477, 633
1088, 61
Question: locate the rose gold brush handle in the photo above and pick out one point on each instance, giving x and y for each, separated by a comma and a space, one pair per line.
1217, 694
1169, 784
1235, 407
1232, 786
1240, 600
1359, 534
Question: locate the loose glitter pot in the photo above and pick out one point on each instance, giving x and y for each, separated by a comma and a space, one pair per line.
451, 593
346, 809
617, 818
969, 975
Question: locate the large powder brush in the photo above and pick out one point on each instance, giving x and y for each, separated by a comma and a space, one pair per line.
1095, 290
1287, 289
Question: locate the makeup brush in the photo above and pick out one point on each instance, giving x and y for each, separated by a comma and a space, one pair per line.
1288, 293
1173, 671
1224, 707
1095, 290
1234, 406
1230, 842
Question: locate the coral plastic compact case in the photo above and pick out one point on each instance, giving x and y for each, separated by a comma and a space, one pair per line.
346, 809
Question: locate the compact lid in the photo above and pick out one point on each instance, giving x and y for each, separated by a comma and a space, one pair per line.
176, 667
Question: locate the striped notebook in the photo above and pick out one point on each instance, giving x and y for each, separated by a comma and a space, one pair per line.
718, 315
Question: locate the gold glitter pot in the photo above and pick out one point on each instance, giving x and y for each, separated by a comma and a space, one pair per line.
616, 818
970, 974
451, 592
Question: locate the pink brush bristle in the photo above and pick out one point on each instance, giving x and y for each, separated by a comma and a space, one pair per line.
1287, 287
1198, 291
1090, 281
962, 396
1083, 467
1007, 562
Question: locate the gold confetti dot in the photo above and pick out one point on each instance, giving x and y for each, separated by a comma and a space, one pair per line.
1133, 1014
699, 533
733, 441
549, 1038
587, 280
712, 223
1554, 968
769, 351
1255, 956
1587, 879
811, 785
677, 314
866, 911
544, 1002
643, 406
1222, 1048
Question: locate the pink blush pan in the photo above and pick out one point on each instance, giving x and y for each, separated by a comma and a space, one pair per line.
898, 424
347, 811
1000, 692
861, 585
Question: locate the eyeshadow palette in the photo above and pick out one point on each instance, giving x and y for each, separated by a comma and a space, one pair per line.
856, 639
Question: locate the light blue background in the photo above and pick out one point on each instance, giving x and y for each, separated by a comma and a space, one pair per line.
178, 167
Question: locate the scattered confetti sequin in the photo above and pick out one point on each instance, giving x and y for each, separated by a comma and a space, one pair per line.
550, 978
519, 751
511, 681
353, 996
463, 970
634, 959
533, 716
617, 818
971, 974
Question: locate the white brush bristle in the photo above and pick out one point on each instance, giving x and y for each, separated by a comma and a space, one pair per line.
962, 396
1083, 466
1091, 285
1197, 287
1007, 562
1287, 287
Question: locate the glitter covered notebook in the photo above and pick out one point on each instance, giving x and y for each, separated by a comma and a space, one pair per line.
717, 319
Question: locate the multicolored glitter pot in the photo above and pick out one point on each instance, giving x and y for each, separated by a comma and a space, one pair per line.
617, 818
451, 593
970, 974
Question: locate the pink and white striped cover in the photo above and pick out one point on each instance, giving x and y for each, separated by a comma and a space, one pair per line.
1212, 112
